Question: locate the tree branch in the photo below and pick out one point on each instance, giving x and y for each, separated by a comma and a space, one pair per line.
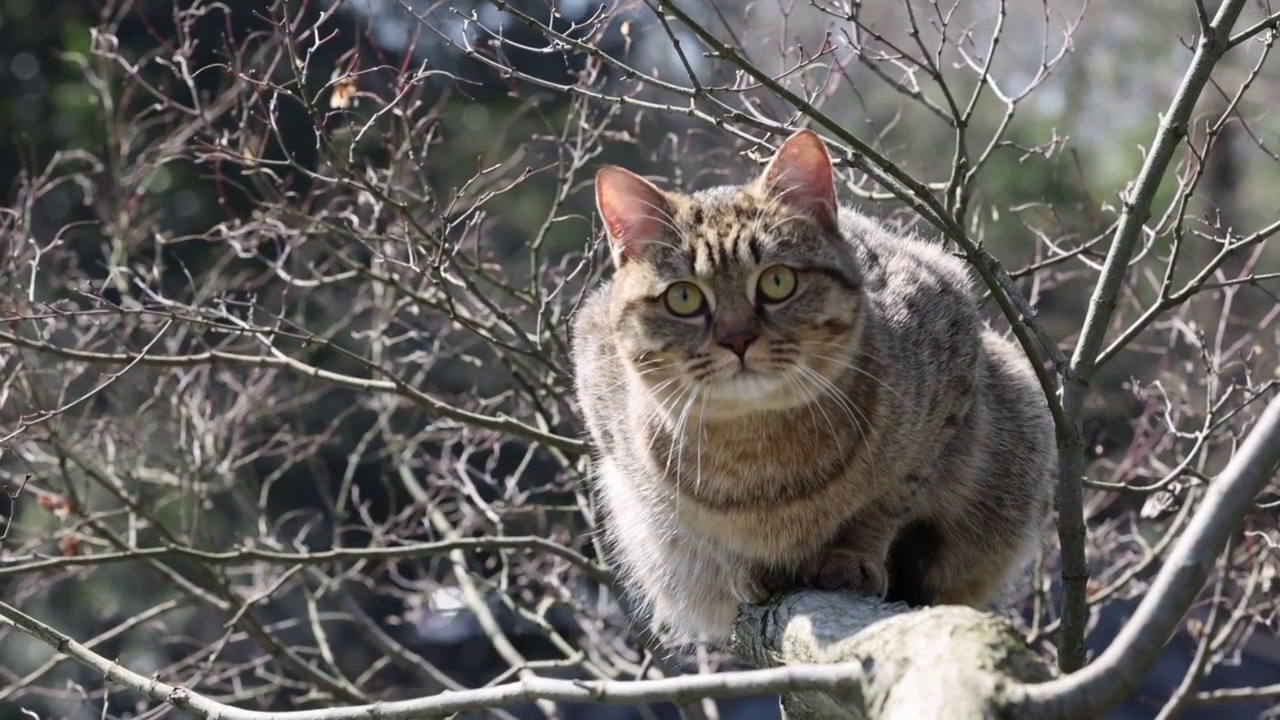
279, 360
1137, 209
949, 661
1117, 671
841, 678
248, 555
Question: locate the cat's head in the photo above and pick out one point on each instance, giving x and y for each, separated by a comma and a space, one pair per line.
737, 299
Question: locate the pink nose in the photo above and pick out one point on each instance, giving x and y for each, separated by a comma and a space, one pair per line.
739, 341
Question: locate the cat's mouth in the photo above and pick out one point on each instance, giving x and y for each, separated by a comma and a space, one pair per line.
745, 390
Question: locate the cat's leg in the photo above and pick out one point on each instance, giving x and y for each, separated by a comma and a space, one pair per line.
712, 583
690, 588
979, 574
996, 517
856, 559
989, 543
682, 581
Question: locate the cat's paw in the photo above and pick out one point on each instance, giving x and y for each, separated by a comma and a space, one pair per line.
853, 571
747, 586
757, 584
777, 581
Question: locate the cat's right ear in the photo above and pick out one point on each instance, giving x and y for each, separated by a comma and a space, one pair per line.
800, 174
633, 209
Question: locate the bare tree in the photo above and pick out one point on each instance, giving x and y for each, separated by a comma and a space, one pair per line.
286, 421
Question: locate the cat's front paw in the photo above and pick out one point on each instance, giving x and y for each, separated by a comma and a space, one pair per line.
757, 584
778, 580
853, 571
747, 585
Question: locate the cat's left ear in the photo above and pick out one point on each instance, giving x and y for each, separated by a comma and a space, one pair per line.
635, 212
800, 175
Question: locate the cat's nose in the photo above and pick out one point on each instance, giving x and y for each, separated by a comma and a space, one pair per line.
738, 341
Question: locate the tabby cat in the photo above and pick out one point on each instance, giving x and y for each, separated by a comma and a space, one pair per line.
783, 393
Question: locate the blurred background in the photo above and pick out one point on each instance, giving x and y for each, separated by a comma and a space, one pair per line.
359, 227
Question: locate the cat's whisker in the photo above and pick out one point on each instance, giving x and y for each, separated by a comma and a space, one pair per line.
702, 432
758, 223
624, 380
679, 438
813, 401
650, 366
783, 221
856, 416
846, 364
674, 428
659, 412
663, 406
865, 374
665, 244
844, 401
859, 354
776, 203
815, 404
656, 390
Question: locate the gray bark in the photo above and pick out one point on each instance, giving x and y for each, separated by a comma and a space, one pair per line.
940, 662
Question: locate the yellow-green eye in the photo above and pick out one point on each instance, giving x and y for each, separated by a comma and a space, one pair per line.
684, 299
777, 283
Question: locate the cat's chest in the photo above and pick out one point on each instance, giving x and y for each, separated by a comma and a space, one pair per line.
734, 473
762, 515
714, 462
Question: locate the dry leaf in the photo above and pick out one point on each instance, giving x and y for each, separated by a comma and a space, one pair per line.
69, 546
344, 92
1092, 588
56, 504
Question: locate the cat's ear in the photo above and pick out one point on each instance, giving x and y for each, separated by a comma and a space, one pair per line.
634, 211
800, 175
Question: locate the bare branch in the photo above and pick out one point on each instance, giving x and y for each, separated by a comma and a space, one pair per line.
1102, 303
1116, 672
726, 685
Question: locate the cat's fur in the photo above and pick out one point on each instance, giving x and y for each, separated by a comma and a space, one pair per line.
913, 420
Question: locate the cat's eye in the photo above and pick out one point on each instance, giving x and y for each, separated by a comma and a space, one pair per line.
684, 299
777, 283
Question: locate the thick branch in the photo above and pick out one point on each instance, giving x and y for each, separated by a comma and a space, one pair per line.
1137, 210
941, 662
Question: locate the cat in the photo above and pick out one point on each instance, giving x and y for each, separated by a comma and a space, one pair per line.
781, 393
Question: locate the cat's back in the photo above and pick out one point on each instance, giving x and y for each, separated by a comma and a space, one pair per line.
900, 266
926, 330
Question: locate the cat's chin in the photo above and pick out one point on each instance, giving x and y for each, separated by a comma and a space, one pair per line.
748, 393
